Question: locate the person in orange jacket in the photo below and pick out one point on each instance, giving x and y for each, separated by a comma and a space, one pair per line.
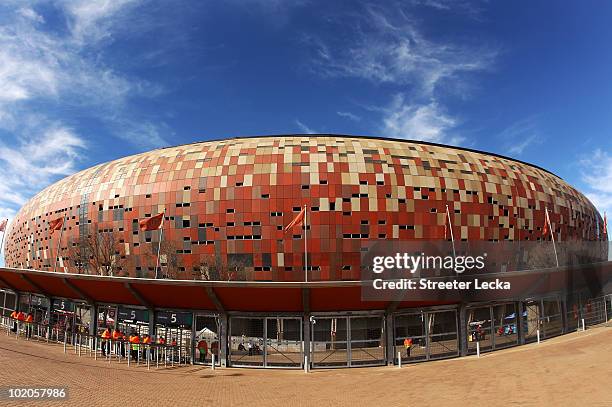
15, 325
117, 336
106, 336
134, 341
146, 340
21, 316
29, 320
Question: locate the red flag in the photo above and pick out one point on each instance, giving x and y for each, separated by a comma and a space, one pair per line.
3, 223
298, 221
55, 224
152, 223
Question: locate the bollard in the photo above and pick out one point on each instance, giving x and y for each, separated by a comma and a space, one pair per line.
79, 339
399, 359
538, 334
64, 343
157, 357
213, 361
148, 358
477, 348
95, 346
583, 324
165, 357
129, 356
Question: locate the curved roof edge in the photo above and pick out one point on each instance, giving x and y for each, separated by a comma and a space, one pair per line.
426, 143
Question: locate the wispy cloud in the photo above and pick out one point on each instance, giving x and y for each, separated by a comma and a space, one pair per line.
429, 122
304, 129
387, 47
520, 135
64, 70
597, 175
47, 71
349, 115
46, 152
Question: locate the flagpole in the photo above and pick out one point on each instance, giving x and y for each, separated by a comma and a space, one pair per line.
305, 244
59, 242
161, 236
450, 226
552, 235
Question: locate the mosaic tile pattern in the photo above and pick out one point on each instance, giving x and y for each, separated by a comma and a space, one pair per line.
227, 202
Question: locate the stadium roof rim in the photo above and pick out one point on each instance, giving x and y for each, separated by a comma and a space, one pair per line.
426, 143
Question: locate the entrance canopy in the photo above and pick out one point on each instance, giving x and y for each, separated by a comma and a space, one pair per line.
255, 296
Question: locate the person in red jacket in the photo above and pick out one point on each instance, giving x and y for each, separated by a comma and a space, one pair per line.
203, 349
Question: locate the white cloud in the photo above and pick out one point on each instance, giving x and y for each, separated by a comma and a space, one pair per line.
305, 129
388, 47
518, 147
46, 71
35, 162
39, 65
349, 115
418, 122
93, 20
520, 135
597, 175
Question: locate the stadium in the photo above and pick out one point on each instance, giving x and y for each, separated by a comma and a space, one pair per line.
256, 246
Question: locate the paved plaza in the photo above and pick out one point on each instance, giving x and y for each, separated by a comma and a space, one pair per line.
574, 369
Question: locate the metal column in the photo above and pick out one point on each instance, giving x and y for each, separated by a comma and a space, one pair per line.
306, 338
463, 334
93, 324
223, 335
520, 328
390, 339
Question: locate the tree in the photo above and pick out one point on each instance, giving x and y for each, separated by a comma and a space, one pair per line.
169, 260
211, 267
101, 251
79, 257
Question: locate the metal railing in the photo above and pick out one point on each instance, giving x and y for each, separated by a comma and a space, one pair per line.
84, 344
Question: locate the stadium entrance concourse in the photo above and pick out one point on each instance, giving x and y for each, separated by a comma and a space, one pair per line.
239, 323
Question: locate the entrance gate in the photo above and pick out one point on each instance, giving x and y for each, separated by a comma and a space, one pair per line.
207, 329
348, 341
494, 326
433, 333
266, 342
175, 327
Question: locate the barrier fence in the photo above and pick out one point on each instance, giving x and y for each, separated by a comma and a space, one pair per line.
82, 344
349, 340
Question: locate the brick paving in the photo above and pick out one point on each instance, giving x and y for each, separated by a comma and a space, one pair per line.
569, 370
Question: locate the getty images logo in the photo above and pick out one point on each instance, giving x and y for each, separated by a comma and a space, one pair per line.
412, 263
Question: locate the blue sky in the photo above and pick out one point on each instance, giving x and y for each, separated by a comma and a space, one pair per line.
84, 81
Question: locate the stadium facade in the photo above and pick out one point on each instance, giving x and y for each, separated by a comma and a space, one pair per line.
227, 265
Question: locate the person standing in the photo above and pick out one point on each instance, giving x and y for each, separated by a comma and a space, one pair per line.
408, 346
203, 349
106, 336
